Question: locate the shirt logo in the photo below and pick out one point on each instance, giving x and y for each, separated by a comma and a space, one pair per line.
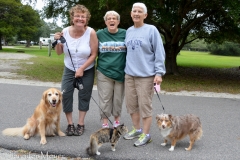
112, 47
134, 44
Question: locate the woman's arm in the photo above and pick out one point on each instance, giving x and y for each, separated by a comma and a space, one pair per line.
59, 46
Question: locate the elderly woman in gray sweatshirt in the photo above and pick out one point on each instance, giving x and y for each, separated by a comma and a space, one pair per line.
144, 68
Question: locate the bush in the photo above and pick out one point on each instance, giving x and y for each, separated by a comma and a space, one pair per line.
225, 49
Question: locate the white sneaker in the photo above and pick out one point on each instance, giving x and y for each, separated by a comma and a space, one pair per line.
105, 125
143, 140
116, 123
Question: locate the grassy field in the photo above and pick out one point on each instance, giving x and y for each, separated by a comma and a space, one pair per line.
206, 60
199, 71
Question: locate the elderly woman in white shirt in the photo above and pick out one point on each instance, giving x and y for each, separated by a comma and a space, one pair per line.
80, 51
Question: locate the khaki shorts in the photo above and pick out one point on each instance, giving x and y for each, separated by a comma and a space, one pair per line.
138, 95
110, 94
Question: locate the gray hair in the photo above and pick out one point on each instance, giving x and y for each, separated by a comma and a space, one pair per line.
141, 5
114, 13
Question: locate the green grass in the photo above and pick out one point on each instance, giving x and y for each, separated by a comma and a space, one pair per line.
44, 68
199, 71
204, 59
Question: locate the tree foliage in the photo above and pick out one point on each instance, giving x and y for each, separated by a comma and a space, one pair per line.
31, 24
18, 19
179, 21
9, 19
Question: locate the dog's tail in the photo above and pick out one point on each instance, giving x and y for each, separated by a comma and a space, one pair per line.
199, 132
92, 149
13, 131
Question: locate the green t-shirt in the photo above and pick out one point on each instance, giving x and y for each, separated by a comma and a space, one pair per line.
112, 54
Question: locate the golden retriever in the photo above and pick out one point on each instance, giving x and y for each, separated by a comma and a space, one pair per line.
175, 128
45, 119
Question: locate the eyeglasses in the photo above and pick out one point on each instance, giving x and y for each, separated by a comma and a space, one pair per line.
81, 17
113, 18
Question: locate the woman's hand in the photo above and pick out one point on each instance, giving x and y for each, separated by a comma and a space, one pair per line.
157, 79
79, 72
57, 35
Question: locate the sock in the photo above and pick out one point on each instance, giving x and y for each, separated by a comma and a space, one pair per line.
139, 130
148, 135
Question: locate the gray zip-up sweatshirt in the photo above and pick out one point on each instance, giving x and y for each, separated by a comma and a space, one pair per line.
145, 52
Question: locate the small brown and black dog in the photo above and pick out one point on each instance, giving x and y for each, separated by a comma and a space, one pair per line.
45, 119
175, 128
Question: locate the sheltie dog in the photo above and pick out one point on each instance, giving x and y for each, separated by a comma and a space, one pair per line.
175, 128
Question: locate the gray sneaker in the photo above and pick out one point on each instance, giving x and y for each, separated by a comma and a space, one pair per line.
133, 134
143, 140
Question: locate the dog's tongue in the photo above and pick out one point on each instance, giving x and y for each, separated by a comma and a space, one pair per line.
53, 104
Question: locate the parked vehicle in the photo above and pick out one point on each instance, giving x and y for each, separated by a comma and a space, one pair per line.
44, 41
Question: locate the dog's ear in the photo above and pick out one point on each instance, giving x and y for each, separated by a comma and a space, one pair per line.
60, 95
157, 117
44, 96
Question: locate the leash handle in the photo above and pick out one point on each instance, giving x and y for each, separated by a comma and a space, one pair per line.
158, 96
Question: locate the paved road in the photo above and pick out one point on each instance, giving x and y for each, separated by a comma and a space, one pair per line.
220, 119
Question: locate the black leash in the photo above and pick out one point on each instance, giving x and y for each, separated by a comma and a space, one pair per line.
158, 97
102, 110
81, 85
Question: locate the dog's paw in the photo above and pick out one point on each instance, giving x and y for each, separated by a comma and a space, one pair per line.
171, 149
98, 153
52, 135
163, 144
43, 141
187, 149
113, 149
61, 134
26, 136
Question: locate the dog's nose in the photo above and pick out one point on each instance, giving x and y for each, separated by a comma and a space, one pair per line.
54, 100
163, 126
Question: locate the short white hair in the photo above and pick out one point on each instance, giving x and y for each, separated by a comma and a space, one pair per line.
141, 5
114, 13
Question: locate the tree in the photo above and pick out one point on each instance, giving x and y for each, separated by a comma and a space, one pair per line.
31, 24
9, 19
212, 21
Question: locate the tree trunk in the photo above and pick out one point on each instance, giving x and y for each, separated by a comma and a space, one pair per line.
28, 43
171, 59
